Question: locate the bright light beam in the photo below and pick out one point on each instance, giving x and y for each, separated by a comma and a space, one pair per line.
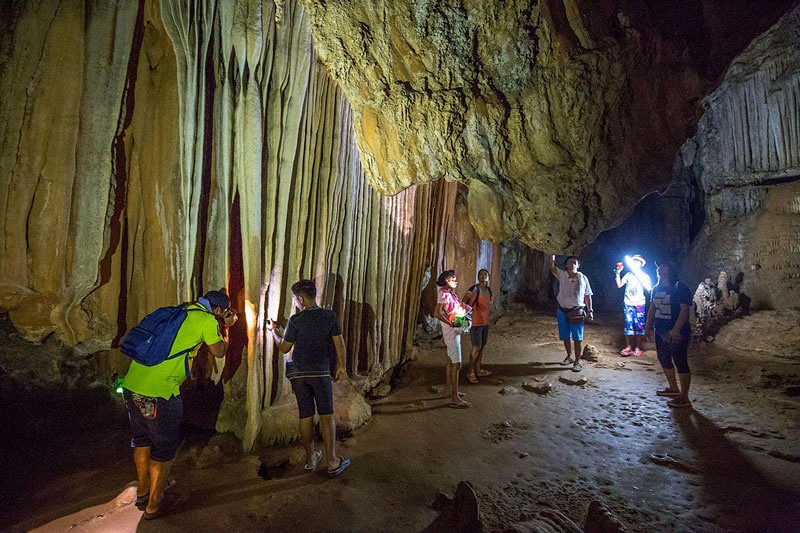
634, 267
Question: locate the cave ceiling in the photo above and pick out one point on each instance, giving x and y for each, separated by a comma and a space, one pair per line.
558, 115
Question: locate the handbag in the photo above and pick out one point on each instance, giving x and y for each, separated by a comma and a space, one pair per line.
575, 315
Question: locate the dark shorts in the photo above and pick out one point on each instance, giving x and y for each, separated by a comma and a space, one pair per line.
479, 335
311, 392
673, 353
155, 422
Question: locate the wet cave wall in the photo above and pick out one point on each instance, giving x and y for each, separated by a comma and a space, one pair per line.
745, 160
153, 150
732, 204
558, 115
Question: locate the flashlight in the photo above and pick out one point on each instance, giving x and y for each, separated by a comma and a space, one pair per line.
636, 269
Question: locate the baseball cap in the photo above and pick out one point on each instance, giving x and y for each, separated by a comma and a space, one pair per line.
218, 299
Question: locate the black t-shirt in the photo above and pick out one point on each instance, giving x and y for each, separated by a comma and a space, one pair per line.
312, 331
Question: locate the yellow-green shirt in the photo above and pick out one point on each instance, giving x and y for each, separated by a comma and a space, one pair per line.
164, 379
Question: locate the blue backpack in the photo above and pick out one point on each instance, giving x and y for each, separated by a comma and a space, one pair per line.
150, 341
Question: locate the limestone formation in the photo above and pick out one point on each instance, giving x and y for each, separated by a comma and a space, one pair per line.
152, 150
714, 305
558, 116
746, 159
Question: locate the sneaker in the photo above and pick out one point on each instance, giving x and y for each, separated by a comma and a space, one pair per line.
568, 360
637, 352
625, 352
577, 367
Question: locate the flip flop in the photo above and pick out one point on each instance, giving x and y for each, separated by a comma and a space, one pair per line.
625, 352
679, 403
460, 405
169, 503
316, 459
667, 392
141, 501
484, 373
344, 462
472, 378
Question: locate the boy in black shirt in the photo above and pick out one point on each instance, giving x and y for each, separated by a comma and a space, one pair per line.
311, 332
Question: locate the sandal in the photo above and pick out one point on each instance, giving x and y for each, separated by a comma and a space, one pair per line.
344, 462
667, 392
637, 352
169, 503
142, 501
472, 378
460, 405
314, 462
625, 352
679, 403
484, 373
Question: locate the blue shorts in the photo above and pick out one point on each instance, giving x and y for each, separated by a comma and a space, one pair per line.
155, 422
567, 330
311, 392
673, 352
634, 320
479, 336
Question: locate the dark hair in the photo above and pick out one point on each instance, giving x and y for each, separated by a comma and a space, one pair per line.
575, 257
484, 270
667, 263
441, 281
673, 269
305, 286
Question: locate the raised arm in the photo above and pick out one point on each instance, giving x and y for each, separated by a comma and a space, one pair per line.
219, 349
283, 345
551, 264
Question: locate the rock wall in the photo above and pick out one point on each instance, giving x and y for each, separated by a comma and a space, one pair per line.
746, 160
152, 150
558, 115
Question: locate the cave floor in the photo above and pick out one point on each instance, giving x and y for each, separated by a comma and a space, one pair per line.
729, 464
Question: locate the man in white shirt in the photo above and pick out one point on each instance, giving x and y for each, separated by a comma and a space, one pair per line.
574, 299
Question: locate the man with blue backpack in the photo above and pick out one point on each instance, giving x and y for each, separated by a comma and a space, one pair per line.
161, 347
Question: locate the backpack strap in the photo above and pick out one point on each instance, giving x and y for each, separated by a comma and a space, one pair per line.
472, 290
187, 351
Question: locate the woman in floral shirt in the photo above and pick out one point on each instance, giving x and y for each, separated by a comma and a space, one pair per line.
448, 308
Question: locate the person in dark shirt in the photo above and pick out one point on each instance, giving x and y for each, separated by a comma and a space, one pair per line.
314, 333
668, 315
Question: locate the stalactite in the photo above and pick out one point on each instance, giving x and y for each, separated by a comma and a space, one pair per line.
753, 118
748, 161
219, 113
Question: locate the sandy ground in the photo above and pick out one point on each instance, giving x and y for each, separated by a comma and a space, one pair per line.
730, 464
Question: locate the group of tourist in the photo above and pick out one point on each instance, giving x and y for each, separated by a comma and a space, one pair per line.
452, 312
667, 315
152, 393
